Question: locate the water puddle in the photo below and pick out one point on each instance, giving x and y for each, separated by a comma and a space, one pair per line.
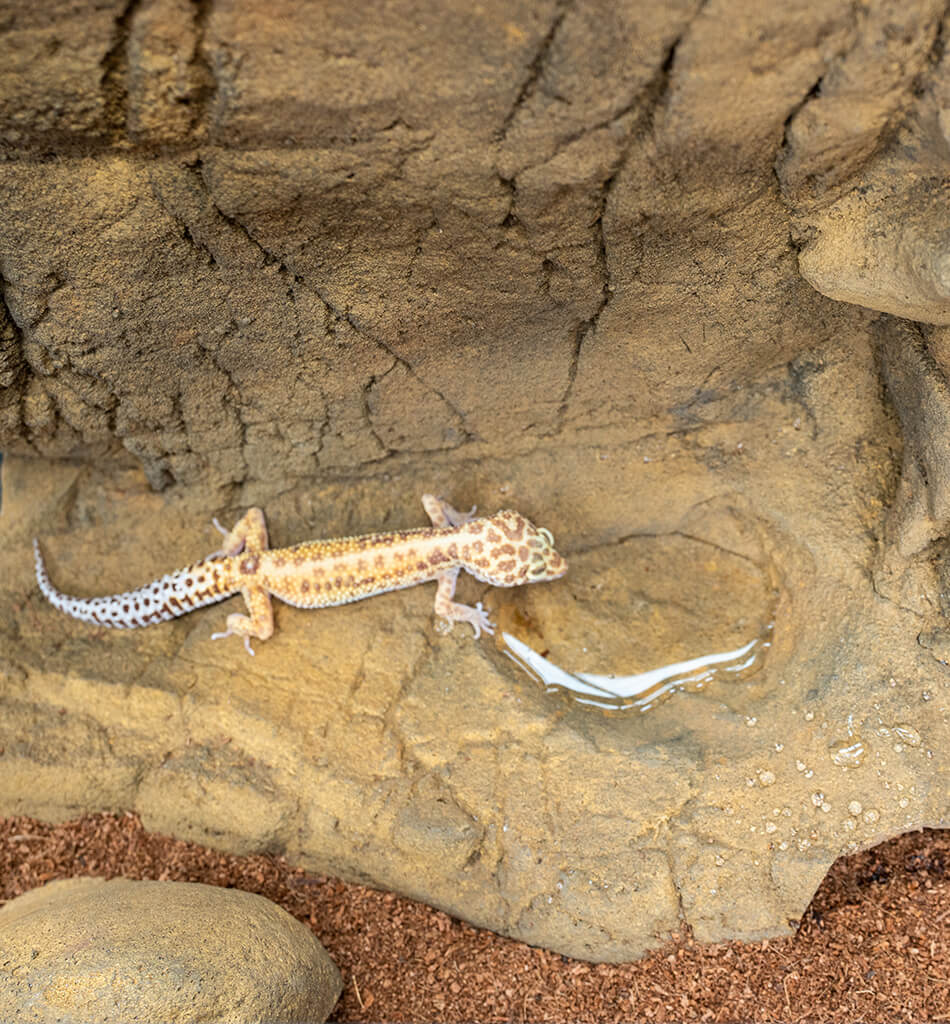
637, 621
643, 690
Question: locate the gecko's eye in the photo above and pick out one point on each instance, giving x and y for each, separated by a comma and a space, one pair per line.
547, 535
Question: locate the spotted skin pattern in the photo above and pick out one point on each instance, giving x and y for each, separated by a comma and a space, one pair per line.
505, 550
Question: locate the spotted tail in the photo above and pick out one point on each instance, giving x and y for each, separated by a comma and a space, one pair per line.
177, 593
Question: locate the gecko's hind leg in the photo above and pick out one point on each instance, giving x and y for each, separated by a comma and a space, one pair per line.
259, 623
248, 534
442, 514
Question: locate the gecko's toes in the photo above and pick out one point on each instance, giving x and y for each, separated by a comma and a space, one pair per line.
482, 622
230, 552
231, 632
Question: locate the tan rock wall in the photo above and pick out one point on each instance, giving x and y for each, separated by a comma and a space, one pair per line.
265, 252
635, 270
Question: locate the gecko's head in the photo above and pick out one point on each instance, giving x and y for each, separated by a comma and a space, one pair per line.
515, 551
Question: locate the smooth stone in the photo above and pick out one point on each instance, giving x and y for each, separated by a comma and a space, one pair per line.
87, 949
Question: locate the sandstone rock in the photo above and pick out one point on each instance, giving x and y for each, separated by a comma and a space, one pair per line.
361, 742
917, 371
875, 227
384, 253
886, 247
87, 949
351, 256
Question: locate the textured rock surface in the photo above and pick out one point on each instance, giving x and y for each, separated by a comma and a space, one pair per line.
87, 949
876, 225
371, 258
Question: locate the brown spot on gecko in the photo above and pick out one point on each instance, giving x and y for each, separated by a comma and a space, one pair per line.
523, 552
477, 547
506, 566
505, 549
305, 585
249, 564
475, 527
515, 532
493, 536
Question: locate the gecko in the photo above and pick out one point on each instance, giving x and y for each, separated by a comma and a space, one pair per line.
504, 550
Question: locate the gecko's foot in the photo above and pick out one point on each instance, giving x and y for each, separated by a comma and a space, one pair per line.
230, 632
457, 518
480, 621
225, 551
443, 514
220, 553
476, 617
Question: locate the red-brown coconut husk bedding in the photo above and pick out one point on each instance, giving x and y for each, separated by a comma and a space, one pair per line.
873, 946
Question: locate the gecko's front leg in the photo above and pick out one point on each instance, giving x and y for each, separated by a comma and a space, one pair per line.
442, 514
451, 611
